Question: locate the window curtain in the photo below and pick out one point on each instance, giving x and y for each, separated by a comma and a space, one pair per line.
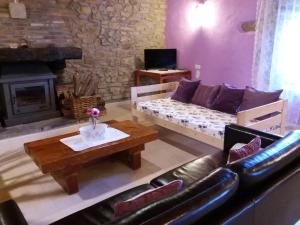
276, 63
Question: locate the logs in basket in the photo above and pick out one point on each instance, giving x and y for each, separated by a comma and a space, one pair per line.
75, 103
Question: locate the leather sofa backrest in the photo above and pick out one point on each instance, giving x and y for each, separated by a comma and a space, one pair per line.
265, 163
192, 171
190, 204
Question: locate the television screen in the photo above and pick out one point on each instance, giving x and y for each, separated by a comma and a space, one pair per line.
160, 59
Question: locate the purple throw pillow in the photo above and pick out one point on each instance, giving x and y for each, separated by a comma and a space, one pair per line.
254, 98
229, 99
249, 149
185, 90
123, 207
205, 95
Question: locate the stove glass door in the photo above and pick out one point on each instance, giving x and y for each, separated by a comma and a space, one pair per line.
30, 97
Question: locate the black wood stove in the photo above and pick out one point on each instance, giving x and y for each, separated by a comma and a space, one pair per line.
27, 76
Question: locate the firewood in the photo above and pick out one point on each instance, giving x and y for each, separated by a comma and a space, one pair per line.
91, 88
84, 86
76, 81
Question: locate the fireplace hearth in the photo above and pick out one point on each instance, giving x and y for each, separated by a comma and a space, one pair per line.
27, 83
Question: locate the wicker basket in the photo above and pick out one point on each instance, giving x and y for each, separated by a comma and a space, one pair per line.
81, 104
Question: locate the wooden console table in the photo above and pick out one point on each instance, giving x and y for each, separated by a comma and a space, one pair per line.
161, 76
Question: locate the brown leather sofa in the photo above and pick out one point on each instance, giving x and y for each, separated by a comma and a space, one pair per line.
263, 189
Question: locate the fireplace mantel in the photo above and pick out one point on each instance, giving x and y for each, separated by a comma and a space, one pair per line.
46, 54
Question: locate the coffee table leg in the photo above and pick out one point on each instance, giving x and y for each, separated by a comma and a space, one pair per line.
134, 157
135, 160
68, 181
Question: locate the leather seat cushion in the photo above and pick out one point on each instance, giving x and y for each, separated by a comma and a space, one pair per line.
192, 171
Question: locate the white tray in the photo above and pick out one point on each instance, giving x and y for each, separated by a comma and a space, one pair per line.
77, 144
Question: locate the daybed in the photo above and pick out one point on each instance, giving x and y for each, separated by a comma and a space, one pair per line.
153, 102
261, 189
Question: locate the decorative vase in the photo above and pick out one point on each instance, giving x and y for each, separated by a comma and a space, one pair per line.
90, 133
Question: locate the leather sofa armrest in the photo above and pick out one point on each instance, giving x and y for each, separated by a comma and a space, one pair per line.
265, 163
239, 134
10, 214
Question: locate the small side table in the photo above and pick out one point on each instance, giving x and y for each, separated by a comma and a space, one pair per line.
161, 76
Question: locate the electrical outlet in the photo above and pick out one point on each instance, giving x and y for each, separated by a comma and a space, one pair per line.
197, 75
197, 67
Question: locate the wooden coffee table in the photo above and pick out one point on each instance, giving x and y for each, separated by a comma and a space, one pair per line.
64, 164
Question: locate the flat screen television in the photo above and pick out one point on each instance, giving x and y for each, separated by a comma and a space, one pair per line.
160, 59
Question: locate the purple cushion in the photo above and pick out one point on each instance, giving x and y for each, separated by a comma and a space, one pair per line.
205, 95
254, 98
123, 207
249, 149
229, 99
185, 90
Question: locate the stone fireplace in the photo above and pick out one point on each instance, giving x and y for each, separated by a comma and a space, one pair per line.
27, 76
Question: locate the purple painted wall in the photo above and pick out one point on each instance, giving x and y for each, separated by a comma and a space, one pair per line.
223, 51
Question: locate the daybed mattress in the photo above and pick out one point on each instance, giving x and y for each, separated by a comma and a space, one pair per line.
210, 122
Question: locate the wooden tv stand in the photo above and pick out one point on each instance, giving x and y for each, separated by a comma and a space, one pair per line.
161, 76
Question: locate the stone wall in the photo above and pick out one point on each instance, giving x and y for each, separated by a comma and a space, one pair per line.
112, 34
44, 25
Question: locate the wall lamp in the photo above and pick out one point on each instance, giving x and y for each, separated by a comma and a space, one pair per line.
17, 10
203, 14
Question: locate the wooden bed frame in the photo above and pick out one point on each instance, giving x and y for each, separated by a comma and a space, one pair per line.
157, 91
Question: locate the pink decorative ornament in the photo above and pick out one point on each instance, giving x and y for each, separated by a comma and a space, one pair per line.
89, 112
93, 113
